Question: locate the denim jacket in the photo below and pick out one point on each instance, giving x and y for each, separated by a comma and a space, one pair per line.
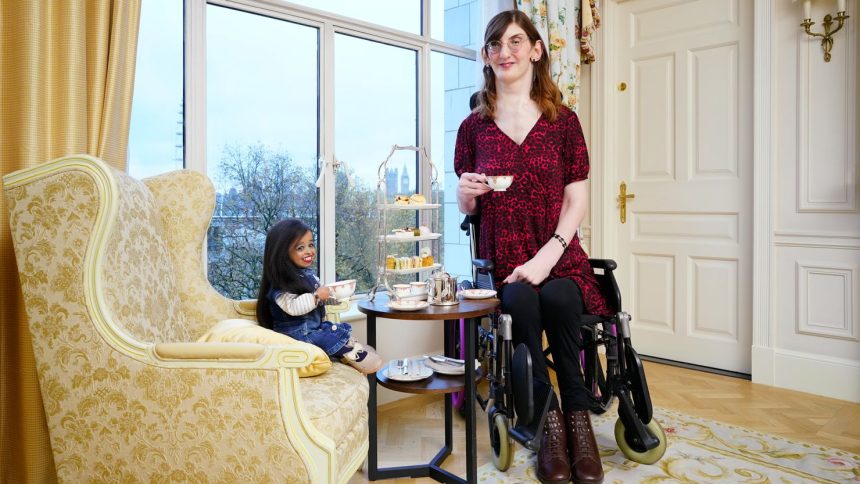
310, 327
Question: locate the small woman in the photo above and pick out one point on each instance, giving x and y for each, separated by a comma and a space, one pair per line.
291, 300
520, 127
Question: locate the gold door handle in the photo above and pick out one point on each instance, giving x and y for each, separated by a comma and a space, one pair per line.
622, 201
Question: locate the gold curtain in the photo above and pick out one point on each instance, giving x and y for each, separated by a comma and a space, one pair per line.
66, 80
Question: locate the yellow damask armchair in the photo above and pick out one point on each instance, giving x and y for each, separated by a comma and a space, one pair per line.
116, 295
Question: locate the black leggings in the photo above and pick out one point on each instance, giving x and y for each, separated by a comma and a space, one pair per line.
558, 311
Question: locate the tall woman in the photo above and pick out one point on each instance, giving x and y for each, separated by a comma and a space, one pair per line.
521, 128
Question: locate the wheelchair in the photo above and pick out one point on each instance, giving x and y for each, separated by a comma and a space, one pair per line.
516, 409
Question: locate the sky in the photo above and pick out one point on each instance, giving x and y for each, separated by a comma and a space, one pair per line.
262, 87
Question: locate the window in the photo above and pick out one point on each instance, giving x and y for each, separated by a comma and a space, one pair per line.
377, 88
452, 83
402, 15
156, 135
272, 89
261, 137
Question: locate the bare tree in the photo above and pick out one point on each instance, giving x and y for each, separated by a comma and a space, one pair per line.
268, 187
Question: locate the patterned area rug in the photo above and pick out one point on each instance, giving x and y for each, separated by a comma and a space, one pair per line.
705, 451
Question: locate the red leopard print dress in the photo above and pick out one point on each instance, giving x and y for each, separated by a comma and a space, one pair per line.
517, 222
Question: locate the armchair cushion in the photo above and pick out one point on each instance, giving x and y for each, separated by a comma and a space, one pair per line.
244, 331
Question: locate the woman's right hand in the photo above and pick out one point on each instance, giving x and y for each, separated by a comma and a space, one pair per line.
473, 184
470, 187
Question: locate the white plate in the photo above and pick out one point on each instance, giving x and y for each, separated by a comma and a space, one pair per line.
407, 305
393, 374
477, 293
447, 368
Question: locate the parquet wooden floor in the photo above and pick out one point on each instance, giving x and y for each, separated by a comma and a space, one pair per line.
411, 430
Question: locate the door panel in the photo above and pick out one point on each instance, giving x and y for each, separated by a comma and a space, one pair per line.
684, 149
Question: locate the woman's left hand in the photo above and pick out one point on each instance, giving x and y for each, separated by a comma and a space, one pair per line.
535, 271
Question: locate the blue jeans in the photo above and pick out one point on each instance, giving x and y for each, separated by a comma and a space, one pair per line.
326, 335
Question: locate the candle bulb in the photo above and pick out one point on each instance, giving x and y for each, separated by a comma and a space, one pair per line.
807, 9
840, 5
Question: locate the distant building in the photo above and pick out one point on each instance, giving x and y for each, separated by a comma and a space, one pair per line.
404, 181
391, 181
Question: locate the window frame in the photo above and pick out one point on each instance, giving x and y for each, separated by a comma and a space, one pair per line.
329, 24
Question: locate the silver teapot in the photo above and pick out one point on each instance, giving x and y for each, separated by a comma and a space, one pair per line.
442, 289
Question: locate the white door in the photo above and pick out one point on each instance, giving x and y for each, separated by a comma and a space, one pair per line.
683, 144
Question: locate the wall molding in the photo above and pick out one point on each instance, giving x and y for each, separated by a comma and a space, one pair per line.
763, 371
810, 153
818, 240
803, 372
806, 273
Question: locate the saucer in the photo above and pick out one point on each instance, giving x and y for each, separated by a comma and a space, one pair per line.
449, 368
391, 374
407, 305
477, 293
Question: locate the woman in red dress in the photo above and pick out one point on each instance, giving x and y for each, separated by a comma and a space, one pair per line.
521, 128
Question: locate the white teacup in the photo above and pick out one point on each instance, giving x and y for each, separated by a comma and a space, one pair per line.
401, 290
418, 288
342, 289
500, 183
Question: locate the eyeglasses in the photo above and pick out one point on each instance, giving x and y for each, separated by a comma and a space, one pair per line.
514, 45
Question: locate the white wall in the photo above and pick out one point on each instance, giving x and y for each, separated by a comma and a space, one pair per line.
815, 275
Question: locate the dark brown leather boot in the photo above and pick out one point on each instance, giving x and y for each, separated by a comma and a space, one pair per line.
553, 464
585, 465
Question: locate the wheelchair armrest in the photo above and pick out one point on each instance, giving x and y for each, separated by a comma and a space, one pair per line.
605, 264
483, 264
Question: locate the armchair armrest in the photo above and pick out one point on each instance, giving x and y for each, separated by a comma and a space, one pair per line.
246, 307
209, 351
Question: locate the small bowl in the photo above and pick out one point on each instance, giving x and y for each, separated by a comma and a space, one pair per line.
500, 183
342, 289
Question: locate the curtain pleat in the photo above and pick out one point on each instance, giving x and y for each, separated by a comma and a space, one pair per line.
66, 81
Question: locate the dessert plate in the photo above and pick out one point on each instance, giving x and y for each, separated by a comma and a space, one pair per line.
407, 305
393, 373
477, 293
448, 368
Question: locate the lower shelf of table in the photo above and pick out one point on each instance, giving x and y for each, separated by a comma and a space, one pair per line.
437, 383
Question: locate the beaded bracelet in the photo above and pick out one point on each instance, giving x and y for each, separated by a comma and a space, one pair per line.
560, 239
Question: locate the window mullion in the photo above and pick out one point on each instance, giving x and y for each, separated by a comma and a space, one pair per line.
327, 143
195, 85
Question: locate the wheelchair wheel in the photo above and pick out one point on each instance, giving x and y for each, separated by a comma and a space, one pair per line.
649, 456
500, 442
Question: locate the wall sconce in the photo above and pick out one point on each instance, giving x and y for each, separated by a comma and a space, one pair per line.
827, 36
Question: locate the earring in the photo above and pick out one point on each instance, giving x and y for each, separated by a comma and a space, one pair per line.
536, 59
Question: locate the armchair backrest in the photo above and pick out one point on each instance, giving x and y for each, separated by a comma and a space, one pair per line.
185, 201
88, 243
139, 281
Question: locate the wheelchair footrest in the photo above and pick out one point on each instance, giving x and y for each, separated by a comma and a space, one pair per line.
529, 434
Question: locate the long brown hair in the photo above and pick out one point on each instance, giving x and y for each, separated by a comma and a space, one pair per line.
279, 271
544, 90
